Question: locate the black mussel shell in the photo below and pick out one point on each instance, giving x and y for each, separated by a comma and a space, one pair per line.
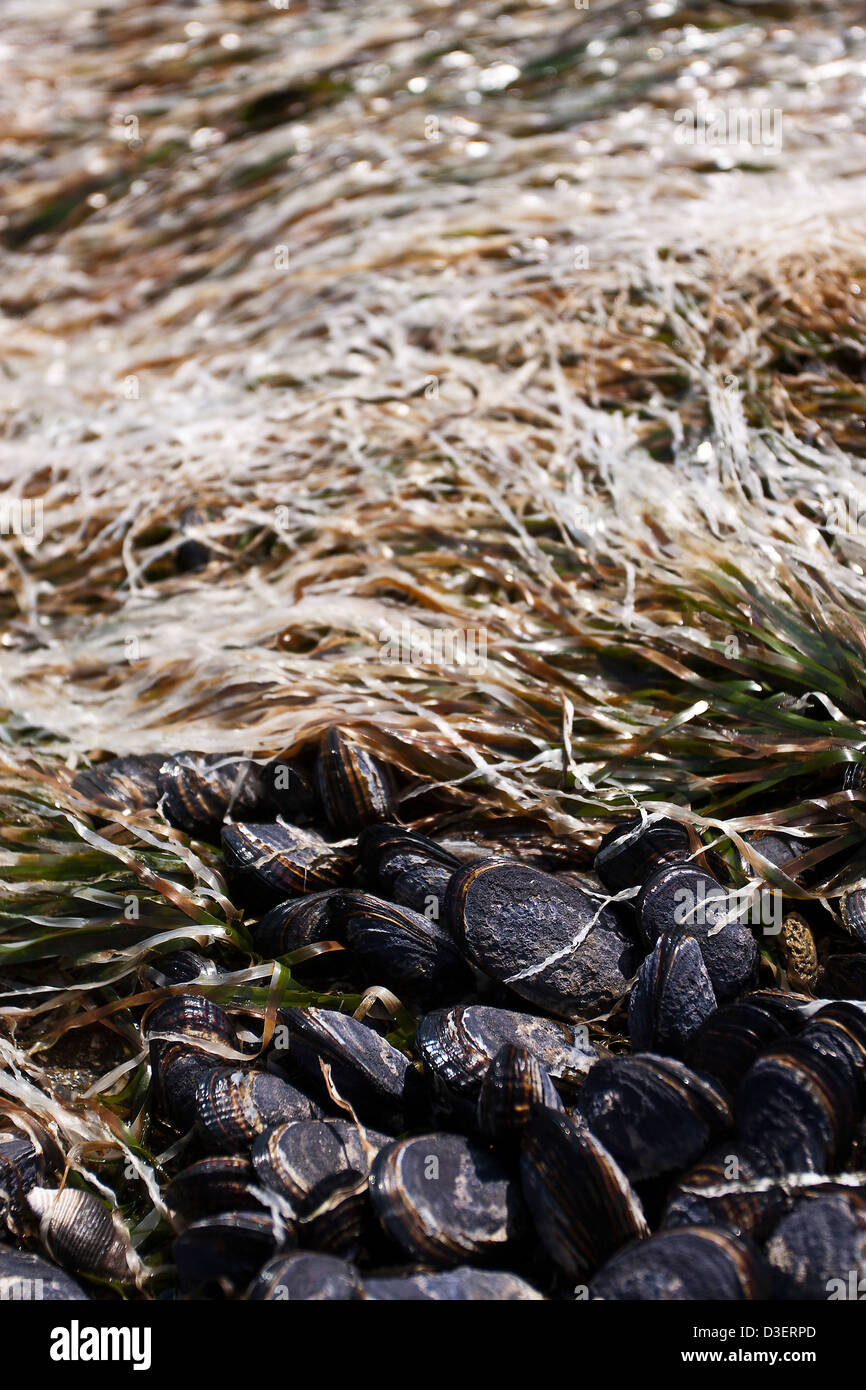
288, 792
652, 1113
25, 1276
234, 1107
306, 1277
852, 910
636, 847
671, 998
300, 1160
458, 1045
516, 1085
266, 864
189, 1037
694, 1262
354, 789
180, 967
776, 847
845, 977
581, 1202
376, 1079
683, 898
798, 1107
19, 1174
294, 924
122, 784
732, 1186
79, 1231
818, 1251
444, 1199
790, 1009
726, 1045
546, 940
386, 851
407, 868
213, 1185
198, 791
839, 1031
465, 1284
224, 1252
399, 948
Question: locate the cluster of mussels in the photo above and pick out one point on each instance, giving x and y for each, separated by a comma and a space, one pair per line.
515, 1155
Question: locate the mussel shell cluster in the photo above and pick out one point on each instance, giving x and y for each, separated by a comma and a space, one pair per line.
599, 1100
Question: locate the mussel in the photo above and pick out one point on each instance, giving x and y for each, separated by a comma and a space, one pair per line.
652, 1113
197, 791
442, 1198
581, 1202
727, 1043
516, 1085
306, 1276
458, 1046
25, 1276
818, 1251
397, 947
798, 1107
189, 1037
693, 1262
376, 1079
219, 1183
407, 868
294, 924
267, 863
355, 790
233, 1107
636, 847
546, 940
122, 784
672, 996
733, 1186
681, 897
464, 1284
223, 1253
301, 1160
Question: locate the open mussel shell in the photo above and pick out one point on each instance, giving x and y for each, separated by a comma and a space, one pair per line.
818, 1251
546, 940
727, 1043
683, 898
355, 790
223, 1253
732, 1186
304, 1276
652, 1113
672, 996
636, 847
458, 1046
266, 864
582, 1204
376, 1079
465, 1284
397, 947
234, 1107
122, 784
82, 1234
690, 1263
442, 1198
797, 1106
212, 1185
301, 1160
199, 790
25, 1276
516, 1085
294, 924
